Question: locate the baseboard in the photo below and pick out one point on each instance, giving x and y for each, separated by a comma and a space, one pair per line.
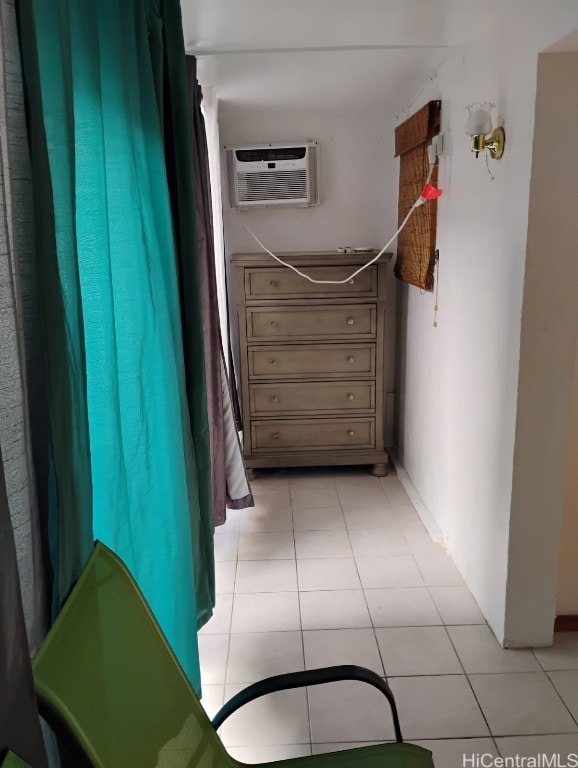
426, 516
566, 623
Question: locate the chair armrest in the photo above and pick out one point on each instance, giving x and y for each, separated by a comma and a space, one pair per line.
309, 677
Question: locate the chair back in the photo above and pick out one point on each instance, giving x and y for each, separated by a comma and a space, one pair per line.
106, 670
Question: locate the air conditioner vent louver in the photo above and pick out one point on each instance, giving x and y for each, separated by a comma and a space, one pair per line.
280, 185
273, 175
270, 153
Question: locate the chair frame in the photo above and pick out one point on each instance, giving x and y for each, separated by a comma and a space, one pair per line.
263, 687
309, 677
81, 758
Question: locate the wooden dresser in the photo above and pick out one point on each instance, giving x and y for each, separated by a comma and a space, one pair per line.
312, 367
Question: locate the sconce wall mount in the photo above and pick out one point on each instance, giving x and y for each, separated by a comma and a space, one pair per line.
494, 143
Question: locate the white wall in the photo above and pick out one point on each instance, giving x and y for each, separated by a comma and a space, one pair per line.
459, 381
547, 354
358, 186
567, 598
356, 168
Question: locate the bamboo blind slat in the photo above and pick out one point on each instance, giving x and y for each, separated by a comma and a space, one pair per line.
416, 245
412, 132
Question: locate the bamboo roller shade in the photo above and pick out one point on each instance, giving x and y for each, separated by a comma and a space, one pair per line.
416, 245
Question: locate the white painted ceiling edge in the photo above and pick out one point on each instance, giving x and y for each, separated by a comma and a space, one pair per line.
313, 23
333, 55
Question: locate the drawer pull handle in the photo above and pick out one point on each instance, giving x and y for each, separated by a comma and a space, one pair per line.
350, 359
350, 396
272, 361
350, 321
274, 399
350, 433
275, 435
271, 322
352, 281
273, 283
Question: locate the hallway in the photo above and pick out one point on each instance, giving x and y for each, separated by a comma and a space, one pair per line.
335, 567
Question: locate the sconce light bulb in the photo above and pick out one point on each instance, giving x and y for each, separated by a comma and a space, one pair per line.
479, 121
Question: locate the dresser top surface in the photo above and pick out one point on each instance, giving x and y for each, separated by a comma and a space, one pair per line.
311, 258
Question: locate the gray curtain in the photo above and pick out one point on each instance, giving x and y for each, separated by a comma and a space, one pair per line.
18, 308
230, 486
23, 605
19, 723
18, 312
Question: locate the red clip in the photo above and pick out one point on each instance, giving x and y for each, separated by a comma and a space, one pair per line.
430, 192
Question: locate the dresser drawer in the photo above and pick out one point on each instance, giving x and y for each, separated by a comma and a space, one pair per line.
311, 323
321, 397
300, 361
282, 283
313, 434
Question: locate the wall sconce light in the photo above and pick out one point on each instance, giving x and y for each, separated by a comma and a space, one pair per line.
479, 127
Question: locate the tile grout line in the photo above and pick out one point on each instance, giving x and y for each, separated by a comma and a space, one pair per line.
425, 585
495, 743
302, 635
494, 736
299, 592
372, 626
545, 672
472, 687
230, 632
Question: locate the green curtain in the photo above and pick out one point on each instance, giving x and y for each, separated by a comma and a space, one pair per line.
116, 245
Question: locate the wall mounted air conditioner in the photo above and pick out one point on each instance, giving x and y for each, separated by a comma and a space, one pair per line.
273, 174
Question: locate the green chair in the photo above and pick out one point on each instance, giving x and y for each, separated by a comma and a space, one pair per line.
10, 760
109, 684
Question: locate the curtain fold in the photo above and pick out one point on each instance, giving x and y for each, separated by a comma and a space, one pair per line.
131, 451
239, 495
210, 112
229, 482
17, 279
69, 473
209, 315
179, 165
23, 594
19, 723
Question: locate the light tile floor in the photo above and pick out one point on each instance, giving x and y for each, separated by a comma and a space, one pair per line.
335, 567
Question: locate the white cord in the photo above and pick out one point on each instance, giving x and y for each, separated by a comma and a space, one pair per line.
417, 203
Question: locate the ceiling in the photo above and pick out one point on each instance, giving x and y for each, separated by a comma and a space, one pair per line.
338, 55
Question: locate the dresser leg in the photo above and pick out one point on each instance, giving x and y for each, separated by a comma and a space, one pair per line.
250, 474
380, 470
